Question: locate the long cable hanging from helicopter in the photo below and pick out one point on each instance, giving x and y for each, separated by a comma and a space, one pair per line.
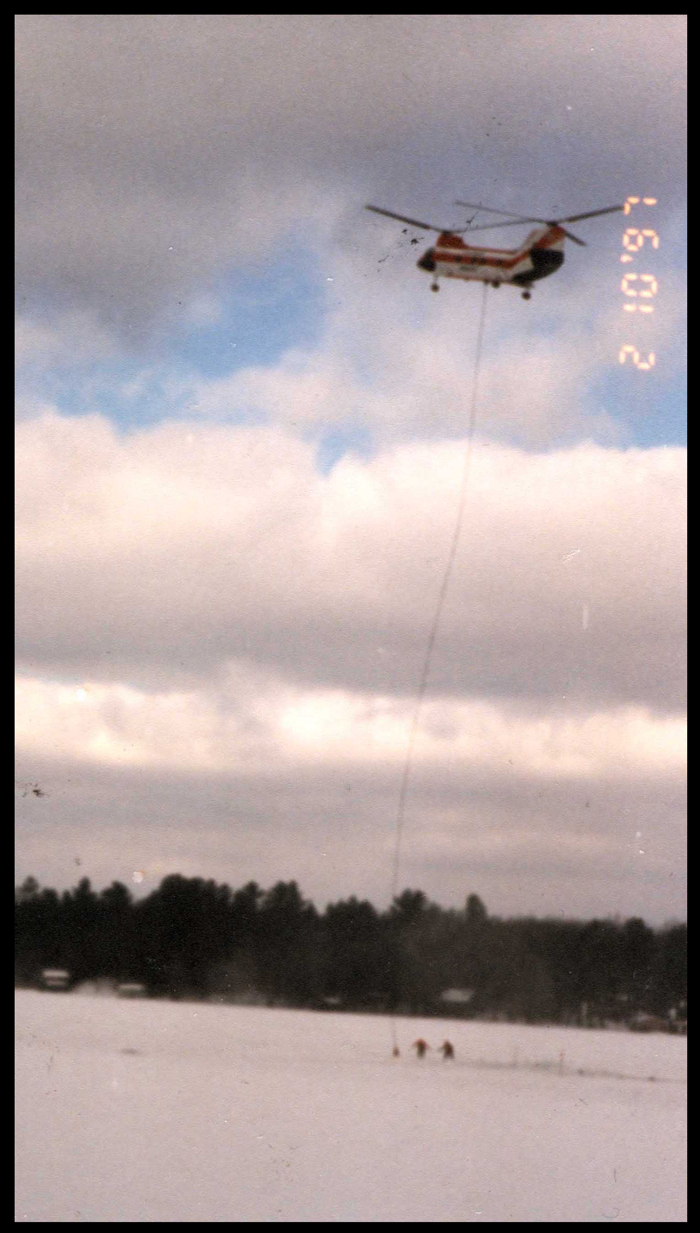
433, 631
540, 255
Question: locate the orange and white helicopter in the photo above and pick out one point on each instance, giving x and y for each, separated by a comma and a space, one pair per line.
540, 255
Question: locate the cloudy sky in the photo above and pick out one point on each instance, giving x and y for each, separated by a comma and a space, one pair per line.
242, 423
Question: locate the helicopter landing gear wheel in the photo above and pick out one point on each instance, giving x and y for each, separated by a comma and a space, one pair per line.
434, 287
527, 295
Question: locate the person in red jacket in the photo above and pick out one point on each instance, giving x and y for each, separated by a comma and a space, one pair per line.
420, 1046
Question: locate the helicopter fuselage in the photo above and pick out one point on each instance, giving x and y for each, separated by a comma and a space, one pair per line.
541, 255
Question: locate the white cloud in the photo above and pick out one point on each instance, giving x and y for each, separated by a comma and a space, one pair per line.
188, 545
300, 391
247, 732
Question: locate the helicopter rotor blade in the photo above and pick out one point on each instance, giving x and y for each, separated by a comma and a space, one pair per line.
514, 222
553, 222
517, 222
573, 218
471, 205
402, 219
573, 237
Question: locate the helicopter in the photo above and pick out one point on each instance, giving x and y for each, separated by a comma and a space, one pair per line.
541, 254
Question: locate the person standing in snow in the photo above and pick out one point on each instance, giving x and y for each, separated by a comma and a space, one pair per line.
420, 1047
447, 1050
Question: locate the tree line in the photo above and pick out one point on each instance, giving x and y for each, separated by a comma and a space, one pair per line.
195, 938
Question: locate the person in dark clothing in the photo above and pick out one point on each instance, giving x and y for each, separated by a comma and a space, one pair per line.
447, 1050
420, 1047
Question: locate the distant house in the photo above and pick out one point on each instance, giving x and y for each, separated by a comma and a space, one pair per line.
678, 1016
456, 997
649, 1023
55, 978
131, 989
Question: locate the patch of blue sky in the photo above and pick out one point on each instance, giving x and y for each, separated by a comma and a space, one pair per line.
250, 318
123, 391
261, 312
334, 444
650, 406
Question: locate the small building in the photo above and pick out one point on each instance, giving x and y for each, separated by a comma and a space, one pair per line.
456, 997
55, 978
648, 1023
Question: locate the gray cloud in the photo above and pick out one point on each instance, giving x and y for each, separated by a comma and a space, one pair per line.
557, 848
155, 149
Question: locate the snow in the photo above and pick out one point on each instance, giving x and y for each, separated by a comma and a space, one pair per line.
152, 1111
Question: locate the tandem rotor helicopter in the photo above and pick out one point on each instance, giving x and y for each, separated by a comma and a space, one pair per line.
541, 254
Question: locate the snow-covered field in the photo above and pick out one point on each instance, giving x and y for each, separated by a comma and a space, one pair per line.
158, 1111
